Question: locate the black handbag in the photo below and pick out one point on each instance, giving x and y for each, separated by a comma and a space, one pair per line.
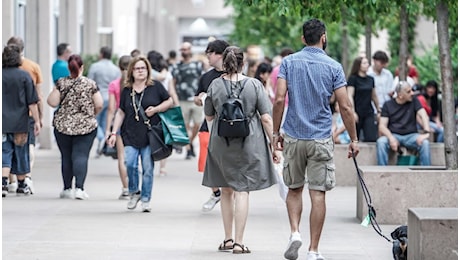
159, 150
109, 151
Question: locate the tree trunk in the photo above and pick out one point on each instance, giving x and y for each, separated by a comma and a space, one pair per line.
368, 35
345, 56
450, 138
404, 43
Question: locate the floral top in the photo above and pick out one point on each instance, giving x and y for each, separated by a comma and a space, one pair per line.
75, 114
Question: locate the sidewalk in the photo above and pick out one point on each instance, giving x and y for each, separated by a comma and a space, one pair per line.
42, 226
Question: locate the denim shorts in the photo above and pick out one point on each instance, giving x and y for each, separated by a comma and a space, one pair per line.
309, 161
15, 157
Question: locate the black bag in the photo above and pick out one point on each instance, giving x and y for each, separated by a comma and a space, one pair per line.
233, 123
158, 149
109, 151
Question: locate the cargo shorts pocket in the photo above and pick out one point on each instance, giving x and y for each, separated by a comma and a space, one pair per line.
330, 177
289, 145
324, 149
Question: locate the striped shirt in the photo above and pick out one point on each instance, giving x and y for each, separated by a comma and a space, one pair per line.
311, 77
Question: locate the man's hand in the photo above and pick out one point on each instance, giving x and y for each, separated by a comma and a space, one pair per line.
394, 144
276, 156
421, 138
353, 148
278, 143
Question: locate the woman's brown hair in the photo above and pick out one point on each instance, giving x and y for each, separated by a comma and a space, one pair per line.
130, 79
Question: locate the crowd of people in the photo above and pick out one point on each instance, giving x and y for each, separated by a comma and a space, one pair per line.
297, 106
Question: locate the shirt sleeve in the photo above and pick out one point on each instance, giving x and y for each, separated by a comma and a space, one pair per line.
31, 93
263, 103
208, 105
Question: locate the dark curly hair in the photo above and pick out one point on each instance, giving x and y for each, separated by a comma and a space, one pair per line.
11, 56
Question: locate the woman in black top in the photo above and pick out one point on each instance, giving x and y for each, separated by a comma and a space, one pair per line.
361, 90
140, 90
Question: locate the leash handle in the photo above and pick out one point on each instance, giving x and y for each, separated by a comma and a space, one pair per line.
367, 196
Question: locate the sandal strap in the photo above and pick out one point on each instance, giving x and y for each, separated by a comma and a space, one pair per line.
228, 240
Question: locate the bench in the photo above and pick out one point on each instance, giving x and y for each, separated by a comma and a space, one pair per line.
345, 172
433, 233
395, 189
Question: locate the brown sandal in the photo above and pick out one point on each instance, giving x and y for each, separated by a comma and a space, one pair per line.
224, 247
244, 249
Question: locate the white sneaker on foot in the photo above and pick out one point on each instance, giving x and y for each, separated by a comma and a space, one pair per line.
67, 194
132, 203
124, 194
314, 256
30, 183
146, 206
211, 203
292, 251
12, 187
81, 194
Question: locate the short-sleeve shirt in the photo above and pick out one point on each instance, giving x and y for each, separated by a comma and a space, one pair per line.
114, 89
103, 72
311, 77
363, 94
33, 69
75, 115
186, 76
18, 93
402, 119
134, 132
203, 85
60, 70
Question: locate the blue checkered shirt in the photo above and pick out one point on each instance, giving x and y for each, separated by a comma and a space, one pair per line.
311, 77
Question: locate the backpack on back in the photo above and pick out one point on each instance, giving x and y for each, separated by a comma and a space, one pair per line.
233, 123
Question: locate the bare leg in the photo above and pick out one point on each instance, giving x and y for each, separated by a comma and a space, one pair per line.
226, 207
294, 208
317, 216
121, 163
241, 215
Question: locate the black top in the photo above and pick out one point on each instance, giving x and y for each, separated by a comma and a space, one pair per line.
18, 92
133, 132
402, 119
363, 94
203, 85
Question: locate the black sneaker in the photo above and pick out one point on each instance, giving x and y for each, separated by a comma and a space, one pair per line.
192, 151
23, 190
4, 190
189, 155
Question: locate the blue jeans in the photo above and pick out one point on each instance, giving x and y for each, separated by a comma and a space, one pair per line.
102, 121
408, 141
439, 132
132, 162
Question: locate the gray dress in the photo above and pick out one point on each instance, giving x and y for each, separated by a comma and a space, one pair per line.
246, 167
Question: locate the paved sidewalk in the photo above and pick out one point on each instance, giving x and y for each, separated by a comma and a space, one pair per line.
42, 226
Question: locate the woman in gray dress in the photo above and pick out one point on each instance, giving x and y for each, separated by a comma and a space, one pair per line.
241, 165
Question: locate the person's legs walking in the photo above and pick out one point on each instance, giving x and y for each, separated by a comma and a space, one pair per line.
101, 124
132, 165
317, 216
294, 206
147, 178
227, 209
122, 168
64, 143
80, 154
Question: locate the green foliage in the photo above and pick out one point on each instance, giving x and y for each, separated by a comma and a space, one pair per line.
394, 33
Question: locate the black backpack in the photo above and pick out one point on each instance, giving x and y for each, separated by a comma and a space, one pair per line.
233, 123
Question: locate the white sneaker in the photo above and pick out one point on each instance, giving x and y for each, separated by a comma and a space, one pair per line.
67, 194
314, 256
124, 194
12, 187
81, 194
211, 203
132, 203
30, 183
146, 206
292, 251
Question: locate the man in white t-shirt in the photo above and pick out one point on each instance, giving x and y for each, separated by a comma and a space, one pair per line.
383, 79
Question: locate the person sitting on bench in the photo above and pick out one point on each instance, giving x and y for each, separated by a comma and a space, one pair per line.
398, 126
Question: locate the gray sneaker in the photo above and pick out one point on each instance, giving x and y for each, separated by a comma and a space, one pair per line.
124, 195
132, 203
211, 203
292, 251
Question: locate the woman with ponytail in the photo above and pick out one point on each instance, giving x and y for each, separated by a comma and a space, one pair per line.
78, 101
115, 88
242, 165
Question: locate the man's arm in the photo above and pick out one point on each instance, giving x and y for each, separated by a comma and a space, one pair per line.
38, 88
347, 113
278, 110
424, 119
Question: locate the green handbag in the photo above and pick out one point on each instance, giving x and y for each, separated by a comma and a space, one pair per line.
174, 128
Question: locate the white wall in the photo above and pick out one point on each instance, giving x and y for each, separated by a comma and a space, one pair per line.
124, 26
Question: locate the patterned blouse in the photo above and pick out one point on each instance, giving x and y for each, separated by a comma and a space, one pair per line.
75, 114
